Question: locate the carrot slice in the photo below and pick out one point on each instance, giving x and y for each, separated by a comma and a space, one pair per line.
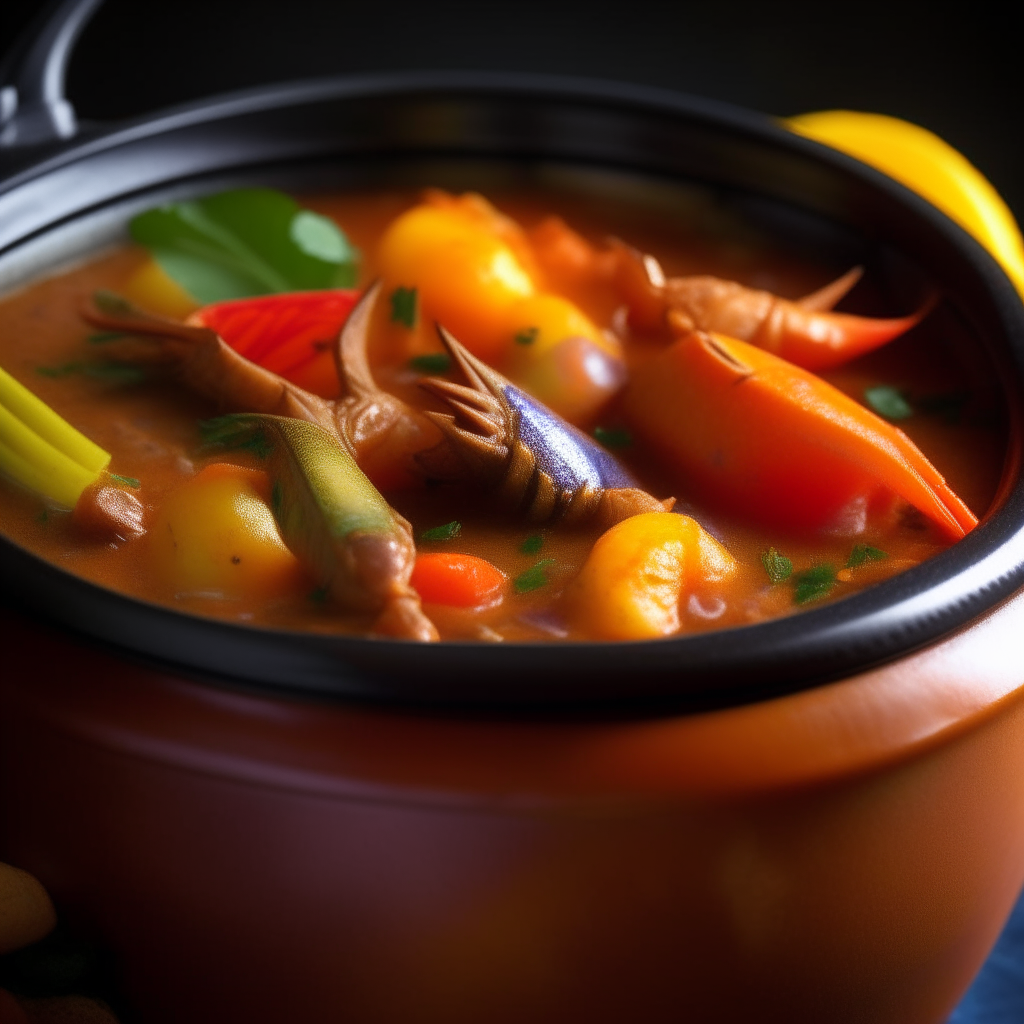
463, 581
762, 436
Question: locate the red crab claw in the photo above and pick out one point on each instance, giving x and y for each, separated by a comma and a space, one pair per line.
755, 433
805, 336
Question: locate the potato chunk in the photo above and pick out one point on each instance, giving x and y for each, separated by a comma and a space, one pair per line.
638, 571
216, 535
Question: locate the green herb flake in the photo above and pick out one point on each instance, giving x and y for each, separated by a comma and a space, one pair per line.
813, 584
276, 497
888, 401
111, 302
949, 408
862, 553
43, 517
224, 432
449, 531
534, 578
64, 370
532, 544
527, 336
433, 362
102, 337
403, 306
613, 437
778, 567
108, 373
319, 596
128, 481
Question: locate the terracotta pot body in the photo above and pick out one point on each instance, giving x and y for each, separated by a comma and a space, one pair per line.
845, 854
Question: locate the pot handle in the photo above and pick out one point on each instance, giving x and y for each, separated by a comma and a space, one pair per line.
32, 104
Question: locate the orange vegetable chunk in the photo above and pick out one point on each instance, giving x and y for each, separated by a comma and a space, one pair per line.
466, 277
638, 571
767, 439
463, 581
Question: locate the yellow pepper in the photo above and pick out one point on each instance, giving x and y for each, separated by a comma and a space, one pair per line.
154, 290
638, 571
931, 167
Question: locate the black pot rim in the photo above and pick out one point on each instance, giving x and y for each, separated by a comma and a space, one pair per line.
718, 668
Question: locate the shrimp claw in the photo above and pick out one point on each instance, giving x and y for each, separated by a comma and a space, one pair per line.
538, 464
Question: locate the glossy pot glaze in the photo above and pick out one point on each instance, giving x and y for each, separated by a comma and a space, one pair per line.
581, 839
848, 853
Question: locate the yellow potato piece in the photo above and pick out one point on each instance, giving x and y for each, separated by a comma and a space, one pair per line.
560, 357
153, 289
465, 276
922, 161
216, 535
541, 321
634, 577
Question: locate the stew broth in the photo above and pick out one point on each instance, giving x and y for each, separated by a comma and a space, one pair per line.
150, 427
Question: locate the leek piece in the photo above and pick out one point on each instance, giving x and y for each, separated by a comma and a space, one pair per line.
49, 471
37, 416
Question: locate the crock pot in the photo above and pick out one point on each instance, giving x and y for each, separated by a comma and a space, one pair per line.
820, 817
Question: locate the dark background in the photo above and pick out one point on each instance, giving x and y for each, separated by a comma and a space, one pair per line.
954, 68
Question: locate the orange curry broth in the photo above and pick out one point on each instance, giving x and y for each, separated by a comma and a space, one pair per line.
151, 430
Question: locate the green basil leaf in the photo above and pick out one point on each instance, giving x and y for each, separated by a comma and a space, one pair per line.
250, 241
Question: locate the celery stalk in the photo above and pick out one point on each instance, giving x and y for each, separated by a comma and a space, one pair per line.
37, 464
36, 415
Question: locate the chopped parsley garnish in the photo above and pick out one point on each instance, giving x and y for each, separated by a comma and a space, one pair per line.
815, 583
128, 481
534, 578
104, 336
318, 596
862, 553
613, 437
532, 544
43, 517
111, 302
403, 306
233, 434
449, 531
433, 362
527, 336
109, 373
888, 401
778, 567
276, 497
949, 407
